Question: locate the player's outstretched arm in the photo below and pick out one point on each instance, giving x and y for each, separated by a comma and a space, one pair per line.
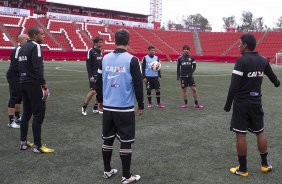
272, 77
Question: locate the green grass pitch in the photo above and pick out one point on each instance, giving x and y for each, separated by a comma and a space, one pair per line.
172, 145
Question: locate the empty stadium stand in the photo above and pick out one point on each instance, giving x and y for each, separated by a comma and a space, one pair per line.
162, 46
68, 36
215, 43
271, 44
49, 43
5, 41
137, 43
93, 30
70, 32
177, 39
234, 49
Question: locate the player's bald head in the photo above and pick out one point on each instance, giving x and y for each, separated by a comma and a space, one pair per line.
22, 38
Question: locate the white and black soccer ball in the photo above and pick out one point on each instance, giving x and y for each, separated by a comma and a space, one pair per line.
156, 66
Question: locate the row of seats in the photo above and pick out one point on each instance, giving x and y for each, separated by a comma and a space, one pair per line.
137, 43
70, 36
233, 51
70, 31
177, 39
49, 43
155, 40
92, 30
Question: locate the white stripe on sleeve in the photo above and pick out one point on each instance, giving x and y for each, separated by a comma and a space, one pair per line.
238, 72
17, 52
38, 49
88, 54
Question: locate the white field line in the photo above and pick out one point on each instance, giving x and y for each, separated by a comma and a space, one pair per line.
199, 75
68, 70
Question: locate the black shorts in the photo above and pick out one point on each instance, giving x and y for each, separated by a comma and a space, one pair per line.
120, 125
247, 117
187, 81
15, 92
152, 83
92, 85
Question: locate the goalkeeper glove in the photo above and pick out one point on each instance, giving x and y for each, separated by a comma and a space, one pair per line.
45, 92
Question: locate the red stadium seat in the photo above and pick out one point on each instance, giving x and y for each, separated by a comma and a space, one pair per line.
93, 30
69, 36
48, 44
70, 32
177, 39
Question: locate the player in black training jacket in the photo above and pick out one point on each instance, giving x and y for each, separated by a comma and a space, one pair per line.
94, 57
186, 65
245, 91
34, 90
13, 78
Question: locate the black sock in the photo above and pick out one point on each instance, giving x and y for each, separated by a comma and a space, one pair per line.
107, 150
125, 156
17, 114
186, 102
158, 95
95, 106
264, 159
149, 97
11, 118
196, 102
85, 106
243, 163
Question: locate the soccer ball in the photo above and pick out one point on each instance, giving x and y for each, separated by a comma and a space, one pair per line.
156, 66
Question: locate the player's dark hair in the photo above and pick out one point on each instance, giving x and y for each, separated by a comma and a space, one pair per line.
33, 30
151, 47
249, 40
186, 47
97, 39
122, 37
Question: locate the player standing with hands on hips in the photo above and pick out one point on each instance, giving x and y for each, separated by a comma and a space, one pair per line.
186, 65
119, 81
245, 93
34, 90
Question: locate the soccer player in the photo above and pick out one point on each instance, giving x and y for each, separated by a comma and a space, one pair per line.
119, 80
94, 57
13, 78
34, 90
245, 91
186, 66
151, 78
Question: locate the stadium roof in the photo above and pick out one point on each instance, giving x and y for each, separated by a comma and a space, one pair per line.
99, 9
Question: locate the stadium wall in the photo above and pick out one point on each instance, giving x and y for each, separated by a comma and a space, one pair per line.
74, 56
